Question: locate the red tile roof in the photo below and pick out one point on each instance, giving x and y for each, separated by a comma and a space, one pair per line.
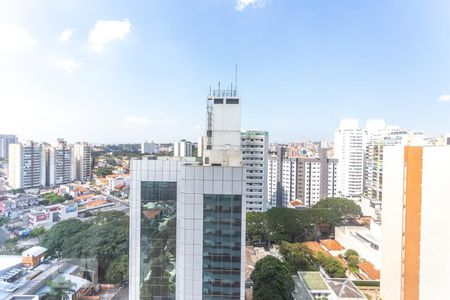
369, 269
332, 245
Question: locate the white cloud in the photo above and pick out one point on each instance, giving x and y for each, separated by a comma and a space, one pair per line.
242, 4
66, 35
14, 38
444, 98
106, 32
137, 120
67, 64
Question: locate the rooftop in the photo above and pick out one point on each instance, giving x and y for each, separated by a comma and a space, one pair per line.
313, 281
332, 245
344, 288
368, 268
34, 251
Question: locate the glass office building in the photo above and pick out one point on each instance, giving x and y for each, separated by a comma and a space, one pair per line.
222, 246
158, 240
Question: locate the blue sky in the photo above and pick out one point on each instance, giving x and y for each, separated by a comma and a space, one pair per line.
128, 71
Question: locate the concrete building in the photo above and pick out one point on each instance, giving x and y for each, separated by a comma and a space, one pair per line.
149, 148
60, 164
255, 152
27, 168
415, 223
349, 151
200, 146
277, 153
182, 148
5, 140
272, 180
187, 217
83, 157
309, 180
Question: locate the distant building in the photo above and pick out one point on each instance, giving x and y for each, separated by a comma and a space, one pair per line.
83, 157
349, 151
60, 164
27, 167
309, 180
149, 148
277, 153
415, 222
182, 148
255, 152
5, 140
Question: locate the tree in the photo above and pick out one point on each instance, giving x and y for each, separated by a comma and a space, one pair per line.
37, 232
353, 261
10, 247
60, 289
118, 270
60, 237
257, 227
271, 280
104, 171
331, 265
345, 207
351, 252
297, 257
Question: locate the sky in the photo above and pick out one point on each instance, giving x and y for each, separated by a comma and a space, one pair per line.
110, 71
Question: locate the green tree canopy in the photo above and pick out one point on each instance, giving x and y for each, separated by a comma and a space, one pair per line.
331, 265
271, 280
345, 207
297, 257
256, 227
118, 270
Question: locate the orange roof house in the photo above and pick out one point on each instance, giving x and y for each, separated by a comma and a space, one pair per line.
368, 269
332, 245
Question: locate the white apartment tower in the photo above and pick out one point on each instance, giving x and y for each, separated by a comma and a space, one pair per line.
255, 154
60, 164
26, 165
182, 148
187, 217
5, 140
272, 180
83, 158
349, 151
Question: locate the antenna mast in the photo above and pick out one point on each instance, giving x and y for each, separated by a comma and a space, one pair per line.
235, 78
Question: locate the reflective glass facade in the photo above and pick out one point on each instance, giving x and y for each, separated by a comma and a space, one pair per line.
222, 246
158, 240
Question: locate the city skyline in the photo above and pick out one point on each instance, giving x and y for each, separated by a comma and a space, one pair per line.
135, 71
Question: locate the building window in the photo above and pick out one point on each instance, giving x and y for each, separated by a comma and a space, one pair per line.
232, 101
222, 246
158, 239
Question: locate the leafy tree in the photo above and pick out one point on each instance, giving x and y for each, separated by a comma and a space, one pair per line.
271, 280
118, 270
60, 289
345, 207
331, 265
53, 198
37, 232
110, 217
60, 237
104, 171
353, 261
351, 252
297, 257
256, 227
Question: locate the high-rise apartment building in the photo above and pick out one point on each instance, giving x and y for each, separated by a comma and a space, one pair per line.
309, 179
277, 153
272, 180
182, 148
5, 140
187, 216
60, 163
255, 152
349, 151
83, 158
149, 148
26, 165
415, 223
